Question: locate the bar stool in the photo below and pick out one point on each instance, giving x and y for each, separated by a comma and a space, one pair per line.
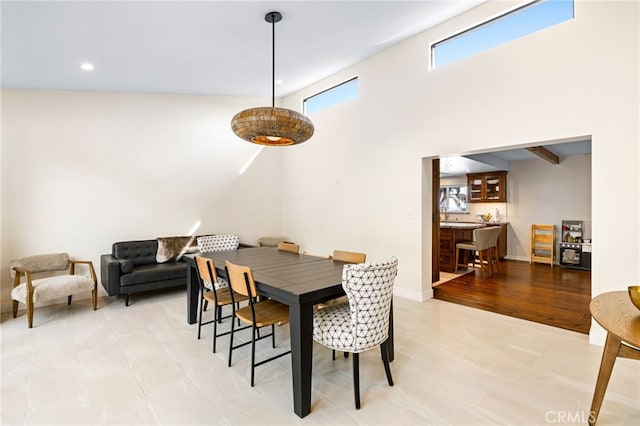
485, 241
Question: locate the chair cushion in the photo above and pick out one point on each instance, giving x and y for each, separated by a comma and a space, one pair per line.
466, 245
53, 287
332, 327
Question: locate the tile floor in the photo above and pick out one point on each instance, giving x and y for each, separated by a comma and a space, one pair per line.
454, 365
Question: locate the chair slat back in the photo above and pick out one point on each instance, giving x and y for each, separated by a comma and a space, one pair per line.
349, 256
236, 276
369, 288
206, 270
288, 246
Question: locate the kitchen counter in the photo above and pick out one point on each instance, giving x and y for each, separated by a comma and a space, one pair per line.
462, 225
452, 233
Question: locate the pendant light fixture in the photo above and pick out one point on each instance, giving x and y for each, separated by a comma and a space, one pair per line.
270, 125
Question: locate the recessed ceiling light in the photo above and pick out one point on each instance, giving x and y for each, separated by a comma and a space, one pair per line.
87, 66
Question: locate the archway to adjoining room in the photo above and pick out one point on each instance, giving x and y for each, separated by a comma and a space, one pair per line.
538, 191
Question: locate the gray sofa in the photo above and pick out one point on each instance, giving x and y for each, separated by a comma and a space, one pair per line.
133, 267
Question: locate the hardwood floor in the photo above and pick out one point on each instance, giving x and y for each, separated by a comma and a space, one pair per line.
553, 296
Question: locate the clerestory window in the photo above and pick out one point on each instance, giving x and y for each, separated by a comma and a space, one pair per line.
517, 23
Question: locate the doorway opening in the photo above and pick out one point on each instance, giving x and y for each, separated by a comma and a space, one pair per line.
538, 190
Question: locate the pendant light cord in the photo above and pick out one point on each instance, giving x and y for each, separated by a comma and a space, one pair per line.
273, 63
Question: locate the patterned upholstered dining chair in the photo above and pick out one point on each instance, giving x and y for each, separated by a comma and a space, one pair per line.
348, 257
362, 323
219, 242
212, 243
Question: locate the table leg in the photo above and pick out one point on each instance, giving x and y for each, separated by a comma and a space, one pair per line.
609, 354
301, 330
193, 287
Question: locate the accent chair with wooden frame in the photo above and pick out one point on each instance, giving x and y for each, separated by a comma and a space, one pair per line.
33, 290
216, 291
258, 314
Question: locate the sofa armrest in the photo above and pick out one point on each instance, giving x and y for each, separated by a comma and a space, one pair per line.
110, 274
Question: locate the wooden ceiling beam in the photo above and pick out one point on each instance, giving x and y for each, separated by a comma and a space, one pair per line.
545, 154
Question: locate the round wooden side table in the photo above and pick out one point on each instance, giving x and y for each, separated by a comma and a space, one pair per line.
616, 314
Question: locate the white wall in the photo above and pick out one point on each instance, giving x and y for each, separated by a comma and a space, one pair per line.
139, 166
83, 170
539, 192
355, 184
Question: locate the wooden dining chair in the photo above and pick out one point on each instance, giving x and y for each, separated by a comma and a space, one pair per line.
257, 314
218, 242
289, 246
349, 256
214, 290
363, 322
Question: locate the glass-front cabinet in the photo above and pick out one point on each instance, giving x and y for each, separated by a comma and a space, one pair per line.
487, 187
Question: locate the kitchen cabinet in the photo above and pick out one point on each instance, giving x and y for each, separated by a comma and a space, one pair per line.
449, 236
487, 187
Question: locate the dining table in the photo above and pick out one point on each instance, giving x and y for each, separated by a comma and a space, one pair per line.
297, 280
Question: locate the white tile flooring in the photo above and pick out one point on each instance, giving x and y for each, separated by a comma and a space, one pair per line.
453, 365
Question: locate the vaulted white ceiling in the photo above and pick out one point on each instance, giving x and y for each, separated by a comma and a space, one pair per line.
200, 47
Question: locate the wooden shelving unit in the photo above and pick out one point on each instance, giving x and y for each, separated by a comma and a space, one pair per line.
543, 244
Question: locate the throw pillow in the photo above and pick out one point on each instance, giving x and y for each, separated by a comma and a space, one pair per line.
270, 241
173, 248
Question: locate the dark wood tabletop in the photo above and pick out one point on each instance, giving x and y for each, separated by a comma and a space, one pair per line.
288, 277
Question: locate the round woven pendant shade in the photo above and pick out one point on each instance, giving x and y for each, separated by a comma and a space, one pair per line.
272, 126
